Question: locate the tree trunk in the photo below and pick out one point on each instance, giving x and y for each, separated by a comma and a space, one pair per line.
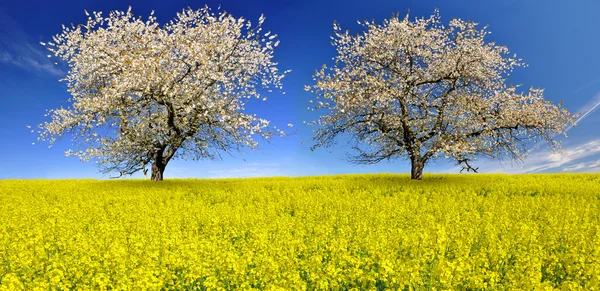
161, 158
158, 168
417, 165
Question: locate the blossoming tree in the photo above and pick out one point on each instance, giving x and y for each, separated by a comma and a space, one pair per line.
421, 90
145, 94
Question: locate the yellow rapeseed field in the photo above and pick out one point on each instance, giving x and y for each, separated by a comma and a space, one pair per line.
361, 232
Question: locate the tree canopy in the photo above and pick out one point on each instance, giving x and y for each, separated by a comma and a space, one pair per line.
423, 90
145, 94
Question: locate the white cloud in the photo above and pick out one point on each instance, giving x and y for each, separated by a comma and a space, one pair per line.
28, 62
588, 166
18, 49
575, 168
587, 109
246, 170
218, 169
575, 158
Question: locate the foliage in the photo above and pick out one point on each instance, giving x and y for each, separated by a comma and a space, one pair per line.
145, 94
492, 232
422, 90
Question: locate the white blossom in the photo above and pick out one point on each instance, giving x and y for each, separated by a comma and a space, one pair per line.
145, 94
422, 90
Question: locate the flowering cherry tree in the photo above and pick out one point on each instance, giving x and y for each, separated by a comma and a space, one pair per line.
421, 90
144, 94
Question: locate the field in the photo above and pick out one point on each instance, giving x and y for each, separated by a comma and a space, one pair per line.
363, 232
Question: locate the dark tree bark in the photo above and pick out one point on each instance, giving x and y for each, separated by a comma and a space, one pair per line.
163, 155
417, 165
158, 168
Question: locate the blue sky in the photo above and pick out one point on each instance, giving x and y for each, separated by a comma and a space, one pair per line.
558, 39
